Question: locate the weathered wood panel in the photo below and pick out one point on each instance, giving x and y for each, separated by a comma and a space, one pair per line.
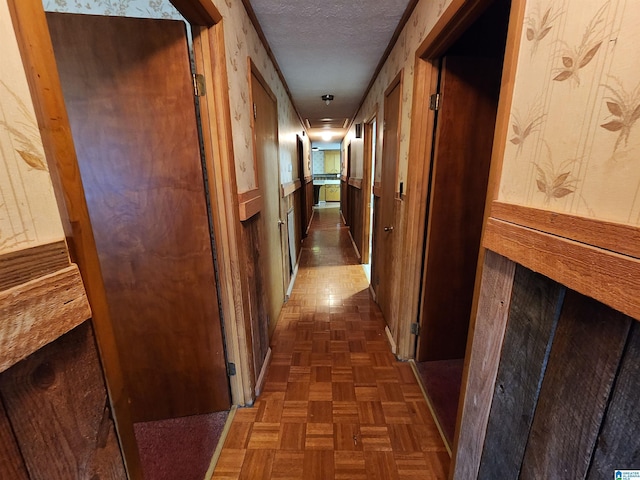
22, 266
355, 217
253, 243
309, 203
582, 365
479, 375
609, 277
59, 411
38, 312
618, 445
535, 308
11, 464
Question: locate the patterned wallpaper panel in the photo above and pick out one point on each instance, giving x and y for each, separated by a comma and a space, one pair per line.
118, 8
574, 139
28, 211
242, 42
402, 58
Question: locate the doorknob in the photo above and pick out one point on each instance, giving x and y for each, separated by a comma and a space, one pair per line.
280, 223
388, 229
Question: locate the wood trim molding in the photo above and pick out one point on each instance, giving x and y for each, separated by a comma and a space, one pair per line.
210, 56
249, 204
385, 56
481, 365
377, 189
308, 179
616, 237
455, 19
288, 188
356, 182
38, 312
22, 266
343, 178
201, 13
263, 39
606, 276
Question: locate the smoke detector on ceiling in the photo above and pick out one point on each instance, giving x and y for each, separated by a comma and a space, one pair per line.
326, 98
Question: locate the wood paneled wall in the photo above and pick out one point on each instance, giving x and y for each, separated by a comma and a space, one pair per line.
565, 400
354, 215
308, 185
56, 404
55, 417
253, 243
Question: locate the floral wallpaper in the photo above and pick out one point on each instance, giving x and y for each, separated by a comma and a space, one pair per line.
119, 8
242, 42
28, 212
574, 138
402, 58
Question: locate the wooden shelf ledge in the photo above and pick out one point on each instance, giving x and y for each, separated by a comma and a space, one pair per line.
37, 312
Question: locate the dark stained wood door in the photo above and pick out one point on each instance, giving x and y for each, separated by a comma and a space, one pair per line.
385, 228
462, 156
127, 87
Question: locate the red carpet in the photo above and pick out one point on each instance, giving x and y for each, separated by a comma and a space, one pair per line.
442, 380
179, 448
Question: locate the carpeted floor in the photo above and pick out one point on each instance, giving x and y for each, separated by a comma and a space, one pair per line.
442, 380
179, 448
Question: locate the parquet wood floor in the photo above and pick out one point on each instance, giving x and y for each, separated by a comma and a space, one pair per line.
336, 403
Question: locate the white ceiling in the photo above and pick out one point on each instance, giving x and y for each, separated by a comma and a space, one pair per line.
331, 47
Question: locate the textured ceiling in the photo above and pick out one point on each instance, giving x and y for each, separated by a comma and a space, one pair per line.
328, 47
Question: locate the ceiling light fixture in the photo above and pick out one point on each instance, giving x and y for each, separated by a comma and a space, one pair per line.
326, 98
327, 136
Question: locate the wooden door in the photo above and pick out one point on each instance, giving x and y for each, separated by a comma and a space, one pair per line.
462, 155
385, 227
265, 128
128, 91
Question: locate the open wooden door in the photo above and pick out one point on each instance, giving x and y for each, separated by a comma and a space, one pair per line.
129, 95
469, 89
385, 236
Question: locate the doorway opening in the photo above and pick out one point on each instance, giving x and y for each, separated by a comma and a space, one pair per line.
469, 81
326, 167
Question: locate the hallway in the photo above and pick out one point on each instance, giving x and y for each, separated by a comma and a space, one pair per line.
336, 403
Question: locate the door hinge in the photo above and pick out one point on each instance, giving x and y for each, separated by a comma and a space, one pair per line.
255, 111
199, 88
434, 102
415, 329
231, 369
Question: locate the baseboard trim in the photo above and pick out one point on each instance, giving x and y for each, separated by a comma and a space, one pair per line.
391, 341
223, 438
430, 405
355, 247
263, 373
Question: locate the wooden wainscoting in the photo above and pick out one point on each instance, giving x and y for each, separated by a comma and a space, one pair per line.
308, 185
51, 382
355, 207
554, 377
252, 245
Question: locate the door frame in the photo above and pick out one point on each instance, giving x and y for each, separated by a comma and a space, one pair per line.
369, 155
457, 17
34, 42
